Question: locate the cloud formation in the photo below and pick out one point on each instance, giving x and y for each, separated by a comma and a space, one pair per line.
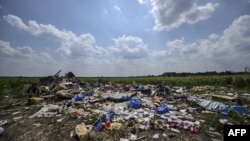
6, 49
71, 44
23, 60
127, 55
217, 52
129, 47
170, 14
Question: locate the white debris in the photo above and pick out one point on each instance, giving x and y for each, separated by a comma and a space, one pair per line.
17, 118
37, 124
123, 139
15, 113
156, 136
223, 121
46, 111
3, 122
133, 137
175, 130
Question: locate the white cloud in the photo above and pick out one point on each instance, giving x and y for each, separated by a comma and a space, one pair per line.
71, 44
39, 29
129, 47
170, 14
178, 44
6, 49
213, 36
23, 60
15, 21
47, 57
143, 1
117, 8
227, 51
237, 36
160, 53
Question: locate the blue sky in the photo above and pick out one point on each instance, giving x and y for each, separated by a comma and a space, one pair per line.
123, 37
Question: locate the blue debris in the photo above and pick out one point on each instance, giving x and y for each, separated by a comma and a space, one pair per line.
125, 97
110, 114
105, 117
162, 109
98, 126
79, 97
134, 103
227, 110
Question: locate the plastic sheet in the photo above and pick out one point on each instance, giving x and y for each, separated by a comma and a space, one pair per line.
162, 109
134, 103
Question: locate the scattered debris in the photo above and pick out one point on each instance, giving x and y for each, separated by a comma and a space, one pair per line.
3, 122
68, 109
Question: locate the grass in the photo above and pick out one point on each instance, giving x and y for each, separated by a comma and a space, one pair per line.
238, 82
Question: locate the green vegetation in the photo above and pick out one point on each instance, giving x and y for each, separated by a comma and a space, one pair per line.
236, 81
15, 84
12, 87
240, 82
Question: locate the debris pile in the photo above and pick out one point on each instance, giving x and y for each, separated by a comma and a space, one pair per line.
107, 111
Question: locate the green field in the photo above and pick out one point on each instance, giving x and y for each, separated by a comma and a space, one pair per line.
236, 81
